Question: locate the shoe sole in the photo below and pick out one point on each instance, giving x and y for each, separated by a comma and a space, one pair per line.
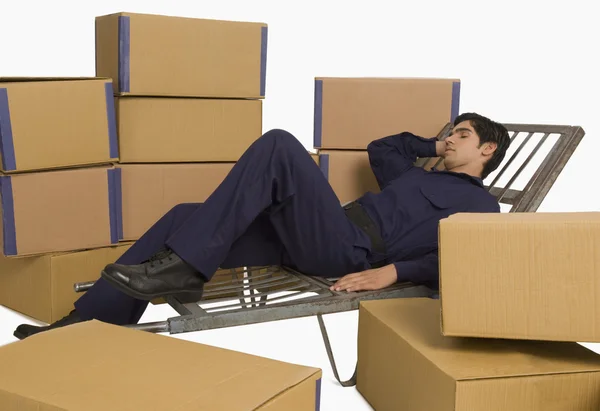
19, 335
183, 296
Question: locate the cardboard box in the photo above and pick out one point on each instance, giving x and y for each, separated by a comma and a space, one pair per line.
108, 367
178, 56
56, 211
521, 275
50, 123
315, 156
149, 191
41, 287
404, 363
349, 173
163, 130
352, 112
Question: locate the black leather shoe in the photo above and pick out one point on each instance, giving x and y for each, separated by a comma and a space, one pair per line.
164, 274
25, 330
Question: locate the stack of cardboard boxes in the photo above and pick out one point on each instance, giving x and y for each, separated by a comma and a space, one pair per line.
518, 291
188, 101
89, 164
58, 190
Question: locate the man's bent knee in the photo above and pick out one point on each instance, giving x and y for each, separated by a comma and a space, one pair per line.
283, 137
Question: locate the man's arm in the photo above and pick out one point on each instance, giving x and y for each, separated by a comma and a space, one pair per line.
426, 268
393, 155
421, 270
486, 205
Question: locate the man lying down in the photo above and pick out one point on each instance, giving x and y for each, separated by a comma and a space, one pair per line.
276, 207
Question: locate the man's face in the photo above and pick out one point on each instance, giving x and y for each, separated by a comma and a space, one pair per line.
463, 150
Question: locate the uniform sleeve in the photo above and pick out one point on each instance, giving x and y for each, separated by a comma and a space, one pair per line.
419, 271
394, 155
426, 269
487, 205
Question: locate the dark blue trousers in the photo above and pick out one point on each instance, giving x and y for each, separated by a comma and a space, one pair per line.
275, 207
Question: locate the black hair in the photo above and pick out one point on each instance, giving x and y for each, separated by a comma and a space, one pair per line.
489, 132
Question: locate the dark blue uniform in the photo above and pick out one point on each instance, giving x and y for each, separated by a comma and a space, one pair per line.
412, 201
275, 207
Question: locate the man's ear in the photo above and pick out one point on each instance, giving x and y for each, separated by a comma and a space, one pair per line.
489, 148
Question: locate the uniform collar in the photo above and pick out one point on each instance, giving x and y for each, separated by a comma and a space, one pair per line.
474, 180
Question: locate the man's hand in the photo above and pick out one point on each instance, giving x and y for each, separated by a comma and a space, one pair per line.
374, 279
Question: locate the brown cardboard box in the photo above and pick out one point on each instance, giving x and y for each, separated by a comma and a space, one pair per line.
151, 190
56, 211
352, 112
521, 275
348, 172
315, 156
178, 56
56, 122
404, 363
42, 286
107, 367
163, 130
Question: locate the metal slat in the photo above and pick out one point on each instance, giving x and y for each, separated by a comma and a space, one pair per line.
522, 167
184, 309
547, 173
512, 158
309, 307
245, 286
309, 289
509, 196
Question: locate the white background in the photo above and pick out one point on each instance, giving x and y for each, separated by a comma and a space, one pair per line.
519, 61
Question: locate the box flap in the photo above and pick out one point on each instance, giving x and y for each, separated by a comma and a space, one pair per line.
94, 366
162, 16
417, 321
386, 79
16, 79
518, 218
